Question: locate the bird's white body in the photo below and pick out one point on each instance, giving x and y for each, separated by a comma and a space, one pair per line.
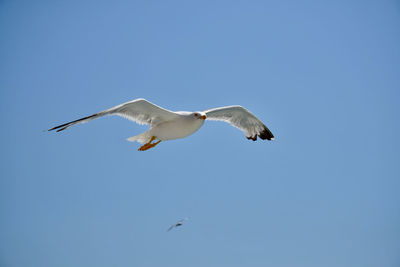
181, 127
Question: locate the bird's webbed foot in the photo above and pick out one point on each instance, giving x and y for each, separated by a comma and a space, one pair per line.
149, 145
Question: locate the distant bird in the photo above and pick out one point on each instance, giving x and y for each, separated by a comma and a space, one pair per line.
179, 223
169, 125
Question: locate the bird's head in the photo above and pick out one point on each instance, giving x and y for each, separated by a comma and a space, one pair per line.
199, 115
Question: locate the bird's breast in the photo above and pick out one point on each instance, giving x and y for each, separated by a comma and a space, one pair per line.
176, 129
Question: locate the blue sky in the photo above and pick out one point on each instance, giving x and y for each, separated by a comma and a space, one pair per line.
322, 75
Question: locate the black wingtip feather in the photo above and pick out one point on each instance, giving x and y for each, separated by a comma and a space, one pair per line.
254, 138
265, 134
66, 125
62, 129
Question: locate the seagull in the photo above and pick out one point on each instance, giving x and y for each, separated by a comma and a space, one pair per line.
179, 223
169, 125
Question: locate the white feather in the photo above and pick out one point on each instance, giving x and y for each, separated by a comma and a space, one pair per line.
242, 119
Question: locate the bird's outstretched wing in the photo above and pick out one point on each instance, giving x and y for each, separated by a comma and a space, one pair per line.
184, 219
171, 227
139, 110
243, 119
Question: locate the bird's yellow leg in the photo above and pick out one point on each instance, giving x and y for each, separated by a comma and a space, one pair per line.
154, 144
146, 146
149, 145
151, 140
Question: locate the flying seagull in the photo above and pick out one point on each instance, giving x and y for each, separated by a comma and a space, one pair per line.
179, 223
169, 125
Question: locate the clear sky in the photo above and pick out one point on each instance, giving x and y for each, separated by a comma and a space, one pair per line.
322, 75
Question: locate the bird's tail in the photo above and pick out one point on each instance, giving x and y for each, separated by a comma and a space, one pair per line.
140, 138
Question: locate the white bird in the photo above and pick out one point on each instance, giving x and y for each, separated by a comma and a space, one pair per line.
179, 223
169, 125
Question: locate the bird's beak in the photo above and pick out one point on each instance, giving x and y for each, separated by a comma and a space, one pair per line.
203, 117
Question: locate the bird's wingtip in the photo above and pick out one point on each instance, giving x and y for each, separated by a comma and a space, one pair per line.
266, 134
